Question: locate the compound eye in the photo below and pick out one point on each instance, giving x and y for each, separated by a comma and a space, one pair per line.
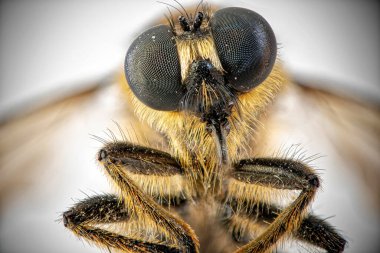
152, 69
246, 46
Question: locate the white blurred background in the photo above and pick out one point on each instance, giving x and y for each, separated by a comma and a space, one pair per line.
49, 49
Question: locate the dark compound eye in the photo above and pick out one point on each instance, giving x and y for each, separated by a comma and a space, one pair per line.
153, 71
246, 46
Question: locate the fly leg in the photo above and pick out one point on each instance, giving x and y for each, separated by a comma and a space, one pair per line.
84, 217
313, 230
140, 174
254, 178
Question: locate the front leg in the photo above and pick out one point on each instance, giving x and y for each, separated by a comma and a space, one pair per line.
123, 160
254, 178
84, 217
313, 230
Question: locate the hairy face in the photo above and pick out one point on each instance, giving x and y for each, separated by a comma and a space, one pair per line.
204, 83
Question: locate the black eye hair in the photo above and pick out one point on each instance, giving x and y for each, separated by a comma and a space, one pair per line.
153, 71
246, 46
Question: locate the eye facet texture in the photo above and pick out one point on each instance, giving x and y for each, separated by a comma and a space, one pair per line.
153, 71
246, 46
